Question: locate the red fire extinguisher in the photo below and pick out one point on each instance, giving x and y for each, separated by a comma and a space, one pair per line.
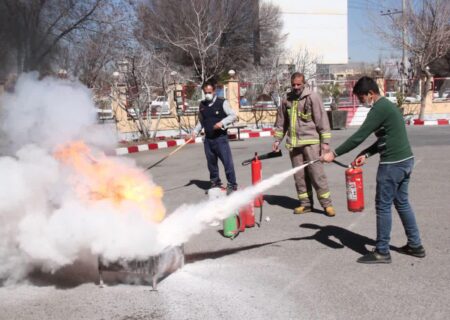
355, 187
256, 177
247, 216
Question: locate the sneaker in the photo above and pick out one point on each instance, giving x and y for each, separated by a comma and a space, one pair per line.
329, 211
375, 257
418, 252
216, 185
302, 209
231, 188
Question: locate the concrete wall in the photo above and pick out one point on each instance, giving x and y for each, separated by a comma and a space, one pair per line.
252, 118
434, 110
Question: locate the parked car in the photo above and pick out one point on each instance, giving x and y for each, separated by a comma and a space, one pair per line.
264, 105
410, 99
327, 103
446, 94
160, 105
105, 114
391, 96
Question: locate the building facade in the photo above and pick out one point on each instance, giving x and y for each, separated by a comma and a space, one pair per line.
318, 26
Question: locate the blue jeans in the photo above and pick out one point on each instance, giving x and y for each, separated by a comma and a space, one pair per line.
392, 187
219, 148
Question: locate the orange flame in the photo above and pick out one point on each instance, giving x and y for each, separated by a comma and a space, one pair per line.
102, 178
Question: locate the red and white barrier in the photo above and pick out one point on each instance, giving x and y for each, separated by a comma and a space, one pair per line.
172, 143
437, 122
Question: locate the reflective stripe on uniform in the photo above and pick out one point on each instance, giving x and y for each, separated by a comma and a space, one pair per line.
294, 110
301, 143
325, 195
310, 141
278, 134
325, 135
306, 116
303, 195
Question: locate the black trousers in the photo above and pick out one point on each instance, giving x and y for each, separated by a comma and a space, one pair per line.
219, 148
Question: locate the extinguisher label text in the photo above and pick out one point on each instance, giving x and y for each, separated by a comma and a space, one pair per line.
351, 191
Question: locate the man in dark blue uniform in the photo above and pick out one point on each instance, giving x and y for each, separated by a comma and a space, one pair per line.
215, 115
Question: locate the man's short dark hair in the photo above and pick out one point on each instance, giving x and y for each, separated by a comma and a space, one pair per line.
298, 75
364, 85
208, 83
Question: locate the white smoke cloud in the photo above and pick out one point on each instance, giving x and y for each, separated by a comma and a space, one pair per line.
44, 224
50, 112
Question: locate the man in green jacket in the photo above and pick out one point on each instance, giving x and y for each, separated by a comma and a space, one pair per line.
394, 170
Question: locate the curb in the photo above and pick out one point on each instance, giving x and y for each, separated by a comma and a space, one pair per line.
438, 122
245, 134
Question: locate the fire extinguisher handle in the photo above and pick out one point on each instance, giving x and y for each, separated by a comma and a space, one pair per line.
247, 162
342, 165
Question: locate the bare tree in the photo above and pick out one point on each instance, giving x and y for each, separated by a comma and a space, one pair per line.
211, 36
427, 38
34, 30
305, 61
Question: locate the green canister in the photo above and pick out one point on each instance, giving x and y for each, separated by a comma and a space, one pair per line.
231, 226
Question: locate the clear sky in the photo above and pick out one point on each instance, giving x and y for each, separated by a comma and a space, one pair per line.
364, 45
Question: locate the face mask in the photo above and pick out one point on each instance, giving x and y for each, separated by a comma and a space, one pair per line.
368, 104
209, 96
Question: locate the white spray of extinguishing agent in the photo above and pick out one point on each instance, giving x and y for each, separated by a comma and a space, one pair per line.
188, 220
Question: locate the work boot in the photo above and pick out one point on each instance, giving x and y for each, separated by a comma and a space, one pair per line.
375, 257
418, 252
302, 209
329, 211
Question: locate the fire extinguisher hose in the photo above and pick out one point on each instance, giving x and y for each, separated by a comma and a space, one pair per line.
170, 154
342, 164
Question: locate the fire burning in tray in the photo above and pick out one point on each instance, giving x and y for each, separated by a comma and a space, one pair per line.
99, 178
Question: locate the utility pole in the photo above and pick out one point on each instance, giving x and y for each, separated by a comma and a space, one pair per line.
402, 69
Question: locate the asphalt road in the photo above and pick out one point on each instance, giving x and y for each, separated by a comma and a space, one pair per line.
293, 267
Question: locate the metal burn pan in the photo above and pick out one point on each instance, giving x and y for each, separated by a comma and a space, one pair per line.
152, 269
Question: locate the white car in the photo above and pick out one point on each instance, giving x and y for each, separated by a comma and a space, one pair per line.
160, 105
105, 114
415, 99
327, 103
391, 96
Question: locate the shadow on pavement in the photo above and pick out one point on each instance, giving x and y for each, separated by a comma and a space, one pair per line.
199, 256
282, 201
286, 202
347, 238
201, 184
